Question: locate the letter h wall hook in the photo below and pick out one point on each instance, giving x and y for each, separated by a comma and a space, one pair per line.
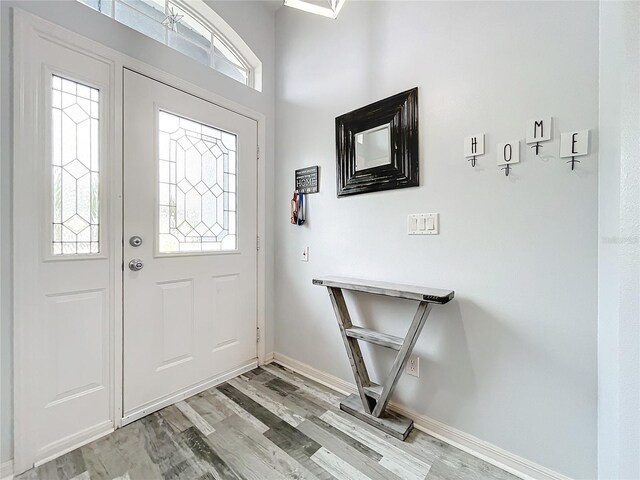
473, 147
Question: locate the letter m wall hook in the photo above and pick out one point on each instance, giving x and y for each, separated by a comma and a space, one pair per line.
538, 130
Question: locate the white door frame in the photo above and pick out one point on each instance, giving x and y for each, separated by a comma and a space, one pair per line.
26, 28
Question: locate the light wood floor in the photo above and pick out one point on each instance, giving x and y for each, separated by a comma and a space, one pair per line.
266, 424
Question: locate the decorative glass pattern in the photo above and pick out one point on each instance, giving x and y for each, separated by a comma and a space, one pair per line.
176, 25
75, 177
197, 186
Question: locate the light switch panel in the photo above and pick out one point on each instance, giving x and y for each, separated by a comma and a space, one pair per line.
423, 224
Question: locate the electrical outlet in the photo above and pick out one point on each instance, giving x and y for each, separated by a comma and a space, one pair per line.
304, 256
413, 366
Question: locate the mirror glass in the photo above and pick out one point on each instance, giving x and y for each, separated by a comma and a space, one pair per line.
373, 147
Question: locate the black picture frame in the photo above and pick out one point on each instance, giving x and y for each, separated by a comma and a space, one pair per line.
401, 112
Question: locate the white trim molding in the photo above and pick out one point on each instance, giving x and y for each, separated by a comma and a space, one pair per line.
267, 359
514, 464
207, 15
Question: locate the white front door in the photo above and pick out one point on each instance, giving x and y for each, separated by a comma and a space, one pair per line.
190, 229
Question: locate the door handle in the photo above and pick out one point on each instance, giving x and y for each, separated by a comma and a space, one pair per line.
136, 264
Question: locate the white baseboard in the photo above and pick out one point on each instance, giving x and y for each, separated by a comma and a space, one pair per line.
6, 470
268, 358
521, 467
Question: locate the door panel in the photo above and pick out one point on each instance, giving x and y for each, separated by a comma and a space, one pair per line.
177, 328
223, 290
65, 267
190, 177
76, 325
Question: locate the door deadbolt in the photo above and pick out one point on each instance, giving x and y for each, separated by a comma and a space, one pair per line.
136, 264
135, 241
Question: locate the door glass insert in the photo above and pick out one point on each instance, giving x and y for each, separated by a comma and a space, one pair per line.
75, 146
196, 186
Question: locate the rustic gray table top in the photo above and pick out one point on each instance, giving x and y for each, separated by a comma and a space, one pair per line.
410, 292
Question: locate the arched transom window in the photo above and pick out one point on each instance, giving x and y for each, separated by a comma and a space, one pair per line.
191, 27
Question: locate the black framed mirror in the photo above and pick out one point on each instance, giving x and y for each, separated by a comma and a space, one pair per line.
377, 146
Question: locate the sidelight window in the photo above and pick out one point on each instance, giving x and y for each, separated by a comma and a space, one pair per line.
75, 167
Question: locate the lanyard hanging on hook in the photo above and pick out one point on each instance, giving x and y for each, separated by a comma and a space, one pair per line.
301, 213
297, 209
294, 209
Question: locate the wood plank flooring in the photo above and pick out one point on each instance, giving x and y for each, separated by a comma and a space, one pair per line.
266, 424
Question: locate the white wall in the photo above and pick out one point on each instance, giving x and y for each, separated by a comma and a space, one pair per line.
619, 249
513, 359
253, 21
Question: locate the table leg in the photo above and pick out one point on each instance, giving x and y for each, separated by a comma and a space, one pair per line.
353, 348
402, 357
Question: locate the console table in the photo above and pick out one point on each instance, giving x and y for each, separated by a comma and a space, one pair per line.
370, 403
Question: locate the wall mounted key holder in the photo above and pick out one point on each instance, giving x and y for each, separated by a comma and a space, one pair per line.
307, 179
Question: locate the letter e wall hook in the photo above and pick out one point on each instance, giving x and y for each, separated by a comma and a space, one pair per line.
574, 144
